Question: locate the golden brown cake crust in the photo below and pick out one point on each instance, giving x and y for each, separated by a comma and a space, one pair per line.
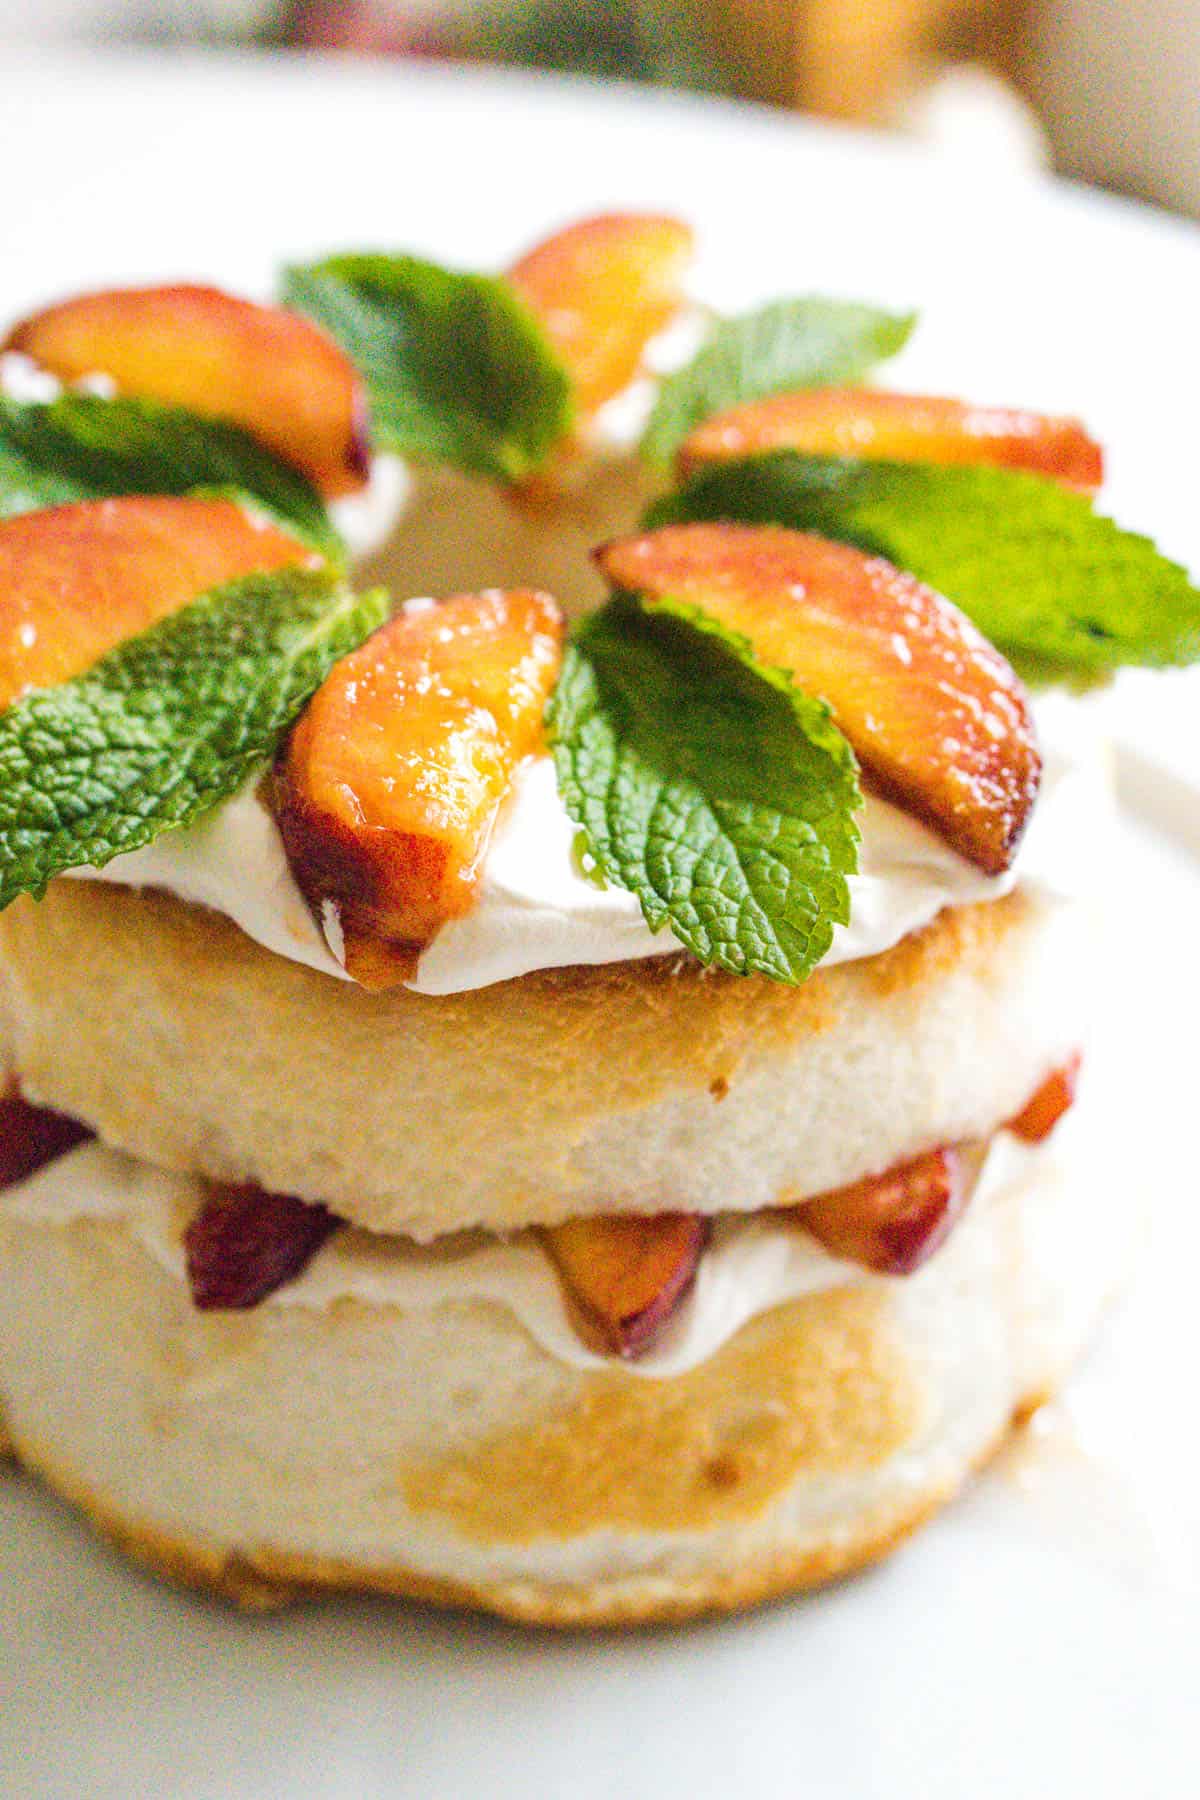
441, 1452
264, 1580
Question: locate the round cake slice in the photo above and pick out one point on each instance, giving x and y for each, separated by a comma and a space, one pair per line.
581, 1123
418, 1422
638, 1087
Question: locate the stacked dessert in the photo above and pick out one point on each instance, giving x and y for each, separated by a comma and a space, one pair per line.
578, 1122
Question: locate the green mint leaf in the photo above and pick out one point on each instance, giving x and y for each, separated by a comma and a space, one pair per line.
708, 786
169, 723
1063, 591
84, 447
788, 344
457, 368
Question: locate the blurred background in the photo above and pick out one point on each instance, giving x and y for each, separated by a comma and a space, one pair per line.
1103, 89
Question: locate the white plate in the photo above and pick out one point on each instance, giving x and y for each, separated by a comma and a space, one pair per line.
1037, 1639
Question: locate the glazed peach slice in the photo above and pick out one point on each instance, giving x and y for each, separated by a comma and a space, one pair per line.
1046, 1106
389, 784
601, 290
77, 580
244, 1243
32, 1136
626, 1276
937, 718
893, 1222
872, 422
269, 370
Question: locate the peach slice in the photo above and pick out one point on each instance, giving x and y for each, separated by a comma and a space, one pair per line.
601, 290
77, 580
271, 371
872, 422
244, 1243
31, 1136
388, 786
627, 1275
940, 723
1042, 1111
893, 1222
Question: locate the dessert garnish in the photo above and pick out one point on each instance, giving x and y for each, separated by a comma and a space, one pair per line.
1064, 592
82, 446
602, 289
934, 714
388, 786
458, 368
109, 739
264, 368
1042, 1111
893, 1222
791, 617
32, 1136
626, 1276
879, 424
77, 581
787, 344
709, 784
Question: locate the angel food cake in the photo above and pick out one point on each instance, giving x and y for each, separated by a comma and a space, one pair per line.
564, 1101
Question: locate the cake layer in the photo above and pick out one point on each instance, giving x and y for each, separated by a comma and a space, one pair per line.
357, 1439
638, 1087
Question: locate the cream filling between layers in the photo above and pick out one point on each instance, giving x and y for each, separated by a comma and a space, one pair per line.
536, 909
751, 1265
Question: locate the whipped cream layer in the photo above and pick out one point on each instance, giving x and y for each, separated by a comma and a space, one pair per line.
751, 1265
536, 909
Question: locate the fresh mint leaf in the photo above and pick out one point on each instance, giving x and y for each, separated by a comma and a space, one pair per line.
708, 786
169, 723
1063, 591
457, 368
788, 344
84, 447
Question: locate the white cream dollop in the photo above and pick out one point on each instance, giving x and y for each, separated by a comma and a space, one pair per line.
232, 860
21, 379
367, 519
536, 909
